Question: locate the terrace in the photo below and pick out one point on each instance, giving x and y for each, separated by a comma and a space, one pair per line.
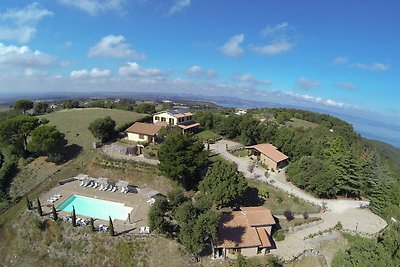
119, 193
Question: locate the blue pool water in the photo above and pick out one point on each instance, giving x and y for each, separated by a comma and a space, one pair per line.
95, 208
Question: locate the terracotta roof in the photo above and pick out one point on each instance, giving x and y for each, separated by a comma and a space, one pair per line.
236, 231
264, 237
270, 151
144, 128
185, 127
257, 216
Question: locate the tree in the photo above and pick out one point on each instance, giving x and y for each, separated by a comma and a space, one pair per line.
28, 203
40, 107
182, 156
15, 131
92, 225
73, 216
23, 105
39, 207
69, 104
111, 227
146, 108
45, 140
157, 214
224, 184
54, 212
103, 128
176, 198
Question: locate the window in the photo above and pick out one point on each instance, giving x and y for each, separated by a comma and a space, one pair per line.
163, 119
157, 118
141, 136
171, 121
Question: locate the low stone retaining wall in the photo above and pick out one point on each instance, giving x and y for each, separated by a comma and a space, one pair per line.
306, 253
293, 229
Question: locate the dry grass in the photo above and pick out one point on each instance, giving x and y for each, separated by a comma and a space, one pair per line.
315, 261
74, 123
34, 243
278, 202
298, 123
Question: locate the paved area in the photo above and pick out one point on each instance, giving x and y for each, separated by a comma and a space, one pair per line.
137, 201
114, 155
348, 212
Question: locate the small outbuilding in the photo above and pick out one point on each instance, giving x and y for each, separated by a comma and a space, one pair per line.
269, 155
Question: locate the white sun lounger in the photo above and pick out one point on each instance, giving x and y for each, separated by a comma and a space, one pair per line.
114, 189
95, 185
82, 183
147, 230
122, 189
110, 188
101, 187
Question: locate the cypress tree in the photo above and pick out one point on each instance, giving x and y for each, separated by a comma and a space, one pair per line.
111, 227
73, 215
28, 203
92, 225
39, 207
55, 216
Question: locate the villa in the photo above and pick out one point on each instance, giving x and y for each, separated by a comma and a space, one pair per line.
181, 118
269, 155
247, 231
143, 132
240, 111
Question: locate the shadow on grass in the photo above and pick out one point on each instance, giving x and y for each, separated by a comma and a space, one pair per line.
124, 232
71, 152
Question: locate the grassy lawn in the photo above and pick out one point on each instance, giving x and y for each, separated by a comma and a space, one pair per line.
241, 153
278, 202
298, 123
74, 123
206, 135
298, 220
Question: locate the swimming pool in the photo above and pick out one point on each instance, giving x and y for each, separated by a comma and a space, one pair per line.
95, 208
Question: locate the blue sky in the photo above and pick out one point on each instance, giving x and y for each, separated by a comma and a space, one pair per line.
340, 55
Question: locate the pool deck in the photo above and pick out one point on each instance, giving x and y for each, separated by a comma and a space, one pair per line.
137, 201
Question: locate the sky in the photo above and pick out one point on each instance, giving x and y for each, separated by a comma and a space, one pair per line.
342, 55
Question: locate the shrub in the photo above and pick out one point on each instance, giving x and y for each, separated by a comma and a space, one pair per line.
306, 215
279, 236
338, 226
288, 215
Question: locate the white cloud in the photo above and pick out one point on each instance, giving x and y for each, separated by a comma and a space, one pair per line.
93, 7
178, 6
23, 56
378, 67
271, 30
197, 72
305, 83
275, 48
232, 46
340, 60
94, 73
134, 70
114, 46
249, 79
346, 85
319, 100
20, 24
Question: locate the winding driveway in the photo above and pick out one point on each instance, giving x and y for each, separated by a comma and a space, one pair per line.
348, 212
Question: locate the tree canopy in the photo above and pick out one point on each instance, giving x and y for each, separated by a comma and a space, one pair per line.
46, 139
103, 128
224, 184
15, 131
182, 156
23, 105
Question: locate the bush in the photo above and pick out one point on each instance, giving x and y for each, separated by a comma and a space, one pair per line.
279, 236
288, 215
306, 215
56, 158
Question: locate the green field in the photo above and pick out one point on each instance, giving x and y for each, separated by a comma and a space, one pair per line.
74, 123
298, 123
206, 135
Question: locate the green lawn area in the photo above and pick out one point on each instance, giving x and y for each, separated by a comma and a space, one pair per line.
206, 135
298, 123
74, 123
278, 202
241, 153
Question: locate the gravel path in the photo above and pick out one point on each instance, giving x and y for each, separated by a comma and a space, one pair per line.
347, 212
